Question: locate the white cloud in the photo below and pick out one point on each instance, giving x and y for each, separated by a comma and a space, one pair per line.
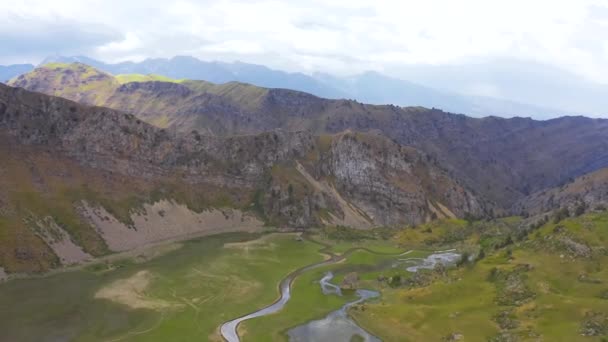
333, 36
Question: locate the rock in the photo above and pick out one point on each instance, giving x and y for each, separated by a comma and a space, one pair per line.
454, 337
506, 320
577, 249
594, 324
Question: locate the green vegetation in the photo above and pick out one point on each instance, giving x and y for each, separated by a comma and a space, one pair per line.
379, 240
196, 288
523, 282
539, 285
309, 303
128, 78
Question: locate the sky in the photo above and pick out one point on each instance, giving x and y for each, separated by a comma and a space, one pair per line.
336, 36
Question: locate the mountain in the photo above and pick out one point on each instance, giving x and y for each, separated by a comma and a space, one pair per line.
9, 71
501, 160
80, 181
185, 67
369, 87
515, 80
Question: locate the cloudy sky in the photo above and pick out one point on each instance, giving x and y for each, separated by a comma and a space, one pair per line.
337, 36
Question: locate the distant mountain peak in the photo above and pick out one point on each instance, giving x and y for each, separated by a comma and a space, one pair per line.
369, 87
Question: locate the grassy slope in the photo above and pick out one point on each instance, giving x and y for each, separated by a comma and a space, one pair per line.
559, 291
128, 78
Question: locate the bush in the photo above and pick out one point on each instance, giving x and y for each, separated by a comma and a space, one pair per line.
580, 209
395, 281
464, 259
561, 214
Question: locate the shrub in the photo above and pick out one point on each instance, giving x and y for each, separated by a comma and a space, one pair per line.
561, 214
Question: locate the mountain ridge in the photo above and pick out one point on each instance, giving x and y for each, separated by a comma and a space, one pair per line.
503, 160
358, 87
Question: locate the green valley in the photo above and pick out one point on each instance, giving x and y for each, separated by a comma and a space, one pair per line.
547, 282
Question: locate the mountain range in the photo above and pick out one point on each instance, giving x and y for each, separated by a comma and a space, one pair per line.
501, 159
110, 160
81, 171
369, 87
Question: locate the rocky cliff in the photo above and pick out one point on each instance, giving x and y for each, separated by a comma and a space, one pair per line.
503, 160
85, 173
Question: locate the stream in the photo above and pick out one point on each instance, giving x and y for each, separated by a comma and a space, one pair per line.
336, 326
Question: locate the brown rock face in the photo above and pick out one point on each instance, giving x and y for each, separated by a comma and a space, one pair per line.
366, 179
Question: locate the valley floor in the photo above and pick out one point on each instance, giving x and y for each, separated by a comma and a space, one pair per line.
543, 284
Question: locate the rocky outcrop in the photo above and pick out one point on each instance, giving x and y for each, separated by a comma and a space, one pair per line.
391, 183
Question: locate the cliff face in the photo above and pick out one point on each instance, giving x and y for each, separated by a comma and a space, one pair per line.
68, 160
503, 160
393, 183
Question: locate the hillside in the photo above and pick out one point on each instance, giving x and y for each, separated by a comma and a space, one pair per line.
80, 182
503, 160
585, 193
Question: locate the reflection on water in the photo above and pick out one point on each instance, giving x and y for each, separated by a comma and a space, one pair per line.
336, 326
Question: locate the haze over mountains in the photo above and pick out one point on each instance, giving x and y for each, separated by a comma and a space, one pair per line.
499, 88
520, 81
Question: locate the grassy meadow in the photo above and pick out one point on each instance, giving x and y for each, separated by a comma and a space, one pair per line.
523, 282
190, 292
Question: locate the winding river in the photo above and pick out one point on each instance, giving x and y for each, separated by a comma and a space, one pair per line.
336, 326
